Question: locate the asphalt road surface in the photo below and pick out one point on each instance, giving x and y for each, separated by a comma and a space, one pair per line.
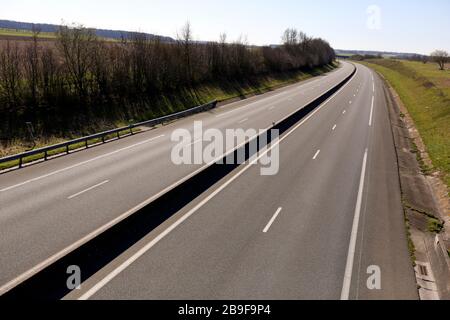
313, 231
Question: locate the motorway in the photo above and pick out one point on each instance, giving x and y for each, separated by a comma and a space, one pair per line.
309, 232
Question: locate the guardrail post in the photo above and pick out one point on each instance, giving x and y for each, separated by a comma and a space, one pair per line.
118, 135
103, 139
20, 162
131, 130
87, 145
45, 155
67, 149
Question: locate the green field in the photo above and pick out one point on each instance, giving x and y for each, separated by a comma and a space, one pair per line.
425, 91
25, 33
14, 33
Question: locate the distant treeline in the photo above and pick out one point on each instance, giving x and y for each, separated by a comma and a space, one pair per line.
410, 57
359, 57
79, 79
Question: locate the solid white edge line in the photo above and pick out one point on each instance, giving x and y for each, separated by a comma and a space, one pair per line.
195, 142
87, 190
295, 88
371, 112
141, 252
316, 155
250, 104
275, 216
26, 275
80, 164
345, 295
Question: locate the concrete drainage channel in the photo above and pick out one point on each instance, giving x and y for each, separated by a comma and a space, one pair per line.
50, 283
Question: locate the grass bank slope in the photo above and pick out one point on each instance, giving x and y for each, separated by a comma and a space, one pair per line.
425, 91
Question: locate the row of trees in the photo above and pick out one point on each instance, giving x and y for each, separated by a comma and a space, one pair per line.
80, 79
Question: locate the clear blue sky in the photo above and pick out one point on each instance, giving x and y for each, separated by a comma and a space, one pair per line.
400, 25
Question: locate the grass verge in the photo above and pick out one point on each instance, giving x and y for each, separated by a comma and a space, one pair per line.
425, 92
435, 226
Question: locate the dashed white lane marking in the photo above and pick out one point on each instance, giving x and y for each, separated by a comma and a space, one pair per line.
316, 155
88, 189
371, 112
344, 112
272, 107
334, 127
275, 216
243, 120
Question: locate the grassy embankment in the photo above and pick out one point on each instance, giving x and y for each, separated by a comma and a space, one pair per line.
166, 105
425, 92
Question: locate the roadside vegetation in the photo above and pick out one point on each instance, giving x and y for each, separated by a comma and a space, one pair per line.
79, 83
207, 92
425, 90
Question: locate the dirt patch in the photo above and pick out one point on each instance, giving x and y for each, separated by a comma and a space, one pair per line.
428, 84
445, 82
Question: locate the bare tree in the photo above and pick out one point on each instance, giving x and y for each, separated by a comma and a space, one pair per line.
223, 51
76, 45
185, 39
49, 73
290, 37
10, 90
31, 65
440, 57
10, 74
